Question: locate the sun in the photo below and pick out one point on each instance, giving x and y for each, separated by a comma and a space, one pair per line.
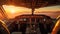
12, 10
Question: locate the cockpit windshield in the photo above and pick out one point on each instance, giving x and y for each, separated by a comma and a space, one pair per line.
14, 11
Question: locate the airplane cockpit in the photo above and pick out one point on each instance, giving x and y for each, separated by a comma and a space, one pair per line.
29, 16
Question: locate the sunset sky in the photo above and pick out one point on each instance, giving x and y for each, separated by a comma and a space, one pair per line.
13, 11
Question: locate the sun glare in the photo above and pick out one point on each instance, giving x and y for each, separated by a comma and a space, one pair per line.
12, 10
15, 11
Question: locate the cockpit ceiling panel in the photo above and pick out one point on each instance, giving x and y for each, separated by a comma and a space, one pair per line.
31, 3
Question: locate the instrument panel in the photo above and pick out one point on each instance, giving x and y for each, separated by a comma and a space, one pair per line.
22, 22
34, 18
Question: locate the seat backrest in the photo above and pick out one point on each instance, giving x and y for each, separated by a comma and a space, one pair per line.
3, 28
56, 27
